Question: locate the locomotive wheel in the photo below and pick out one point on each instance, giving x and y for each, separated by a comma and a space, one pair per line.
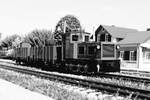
70, 67
85, 68
75, 68
67, 67
82, 69
78, 68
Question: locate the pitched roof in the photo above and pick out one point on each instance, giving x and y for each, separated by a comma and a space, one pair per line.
136, 37
118, 32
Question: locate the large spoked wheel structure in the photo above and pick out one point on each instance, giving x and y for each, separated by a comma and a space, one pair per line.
67, 24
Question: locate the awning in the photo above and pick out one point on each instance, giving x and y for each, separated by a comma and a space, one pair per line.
146, 45
128, 47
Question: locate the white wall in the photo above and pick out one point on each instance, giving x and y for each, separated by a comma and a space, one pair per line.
140, 65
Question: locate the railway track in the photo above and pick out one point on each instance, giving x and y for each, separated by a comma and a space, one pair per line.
136, 72
126, 78
99, 86
116, 76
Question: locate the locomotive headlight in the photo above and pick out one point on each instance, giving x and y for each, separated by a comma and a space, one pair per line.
117, 47
98, 46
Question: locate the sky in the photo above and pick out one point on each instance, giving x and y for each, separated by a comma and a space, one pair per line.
23, 16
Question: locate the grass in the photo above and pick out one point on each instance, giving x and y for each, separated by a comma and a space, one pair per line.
122, 82
55, 89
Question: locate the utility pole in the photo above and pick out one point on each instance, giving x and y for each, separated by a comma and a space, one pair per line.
63, 40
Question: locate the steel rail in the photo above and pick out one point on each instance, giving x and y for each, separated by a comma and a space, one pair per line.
112, 88
117, 76
126, 77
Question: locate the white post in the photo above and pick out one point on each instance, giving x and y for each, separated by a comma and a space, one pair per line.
75, 50
64, 31
139, 56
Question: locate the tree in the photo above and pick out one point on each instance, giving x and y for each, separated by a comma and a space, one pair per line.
9, 41
69, 21
39, 38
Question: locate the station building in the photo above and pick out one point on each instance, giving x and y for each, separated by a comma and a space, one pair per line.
134, 51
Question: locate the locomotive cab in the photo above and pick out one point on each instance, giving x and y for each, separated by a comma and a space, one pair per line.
108, 61
100, 57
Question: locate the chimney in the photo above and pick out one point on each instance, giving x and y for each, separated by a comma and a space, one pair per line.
148, 29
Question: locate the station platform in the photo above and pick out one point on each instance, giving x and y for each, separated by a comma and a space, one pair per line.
10, 91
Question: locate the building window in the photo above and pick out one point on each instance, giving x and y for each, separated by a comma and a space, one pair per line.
86, 38
147, 56
75, 37
121, 54
126, 55
98, 37
133, 55
102, 37
91, 50
107, 38
81, 50
119, 39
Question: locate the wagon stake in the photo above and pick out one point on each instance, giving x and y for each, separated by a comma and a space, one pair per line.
137, 94
130, 96
117, 94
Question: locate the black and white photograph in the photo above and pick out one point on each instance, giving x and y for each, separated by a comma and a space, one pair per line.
74, 50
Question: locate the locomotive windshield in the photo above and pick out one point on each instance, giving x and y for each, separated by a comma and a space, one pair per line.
108, 50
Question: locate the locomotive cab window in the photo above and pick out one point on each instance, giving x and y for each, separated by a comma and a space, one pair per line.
75, 37
86, 38
91, 50
81, 50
